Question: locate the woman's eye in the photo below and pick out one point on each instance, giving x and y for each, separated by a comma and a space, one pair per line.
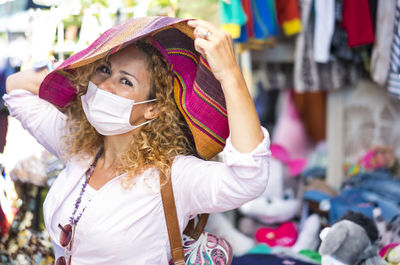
103, 70
126, 82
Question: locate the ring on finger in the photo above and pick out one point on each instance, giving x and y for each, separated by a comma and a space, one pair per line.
207, 34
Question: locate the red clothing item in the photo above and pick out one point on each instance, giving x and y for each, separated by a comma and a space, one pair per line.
357, 22
246, 4
287, 10
288, 16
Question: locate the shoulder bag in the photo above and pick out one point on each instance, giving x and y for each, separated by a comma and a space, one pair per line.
196, 246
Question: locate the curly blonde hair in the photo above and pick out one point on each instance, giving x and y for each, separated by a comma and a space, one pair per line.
158, 142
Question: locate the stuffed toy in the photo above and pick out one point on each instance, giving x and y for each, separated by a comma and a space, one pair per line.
351, 241
289, 131
275, 205
285, 235
295, 166
393, 256
391, 253
308, 237
378, 157
389, 232
219, 224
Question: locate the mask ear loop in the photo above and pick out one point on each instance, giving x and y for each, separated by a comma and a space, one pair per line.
144, 101
146, 122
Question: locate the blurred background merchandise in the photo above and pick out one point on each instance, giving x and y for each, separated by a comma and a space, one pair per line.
324, 75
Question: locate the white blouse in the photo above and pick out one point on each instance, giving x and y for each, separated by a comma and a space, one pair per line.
127, 226
63, 214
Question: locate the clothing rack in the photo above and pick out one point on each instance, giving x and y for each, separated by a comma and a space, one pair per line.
335, 107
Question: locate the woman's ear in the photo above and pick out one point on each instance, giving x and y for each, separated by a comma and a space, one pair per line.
152, 111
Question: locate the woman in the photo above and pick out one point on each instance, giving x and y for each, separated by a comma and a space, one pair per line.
124, 134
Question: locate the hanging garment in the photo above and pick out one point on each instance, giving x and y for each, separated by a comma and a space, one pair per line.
265, 23
312, 110
246, 4
339, 46
323, 31
310, 75
373, 10
265, 103
394, 75
279, 76
232, 17
357, 22
288, 15
243, 38
380, 61
305, 68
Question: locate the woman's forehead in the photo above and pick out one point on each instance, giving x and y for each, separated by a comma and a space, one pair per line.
128, 53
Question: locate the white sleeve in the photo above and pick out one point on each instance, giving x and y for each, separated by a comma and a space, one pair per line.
205, 186
42, 119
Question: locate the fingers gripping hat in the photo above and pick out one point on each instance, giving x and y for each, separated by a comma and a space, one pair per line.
197, 93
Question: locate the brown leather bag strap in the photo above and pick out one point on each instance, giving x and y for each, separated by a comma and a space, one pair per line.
195, 232
171, 218
189, 230
200, 226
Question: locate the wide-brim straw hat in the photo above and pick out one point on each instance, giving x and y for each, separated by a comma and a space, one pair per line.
197, 93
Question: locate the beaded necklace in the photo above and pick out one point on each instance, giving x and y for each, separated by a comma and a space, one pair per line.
74, 220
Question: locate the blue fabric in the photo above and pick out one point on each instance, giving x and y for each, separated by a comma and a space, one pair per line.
265, 103
243, 35
266, 259
316, 171
265, 23
5, 70
379, 181
366, 191
316, 195
349, 199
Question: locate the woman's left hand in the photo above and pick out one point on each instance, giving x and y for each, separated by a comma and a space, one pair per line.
215, 44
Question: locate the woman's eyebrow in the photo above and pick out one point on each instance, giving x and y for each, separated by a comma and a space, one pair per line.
126, 73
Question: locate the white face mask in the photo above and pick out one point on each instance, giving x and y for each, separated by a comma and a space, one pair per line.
108, 113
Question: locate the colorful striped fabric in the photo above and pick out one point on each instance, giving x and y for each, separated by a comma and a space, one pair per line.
196, 91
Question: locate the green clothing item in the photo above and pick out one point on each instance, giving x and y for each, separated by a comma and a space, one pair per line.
232, 13
314, 255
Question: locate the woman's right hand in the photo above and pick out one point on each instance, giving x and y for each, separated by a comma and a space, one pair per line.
29, 80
